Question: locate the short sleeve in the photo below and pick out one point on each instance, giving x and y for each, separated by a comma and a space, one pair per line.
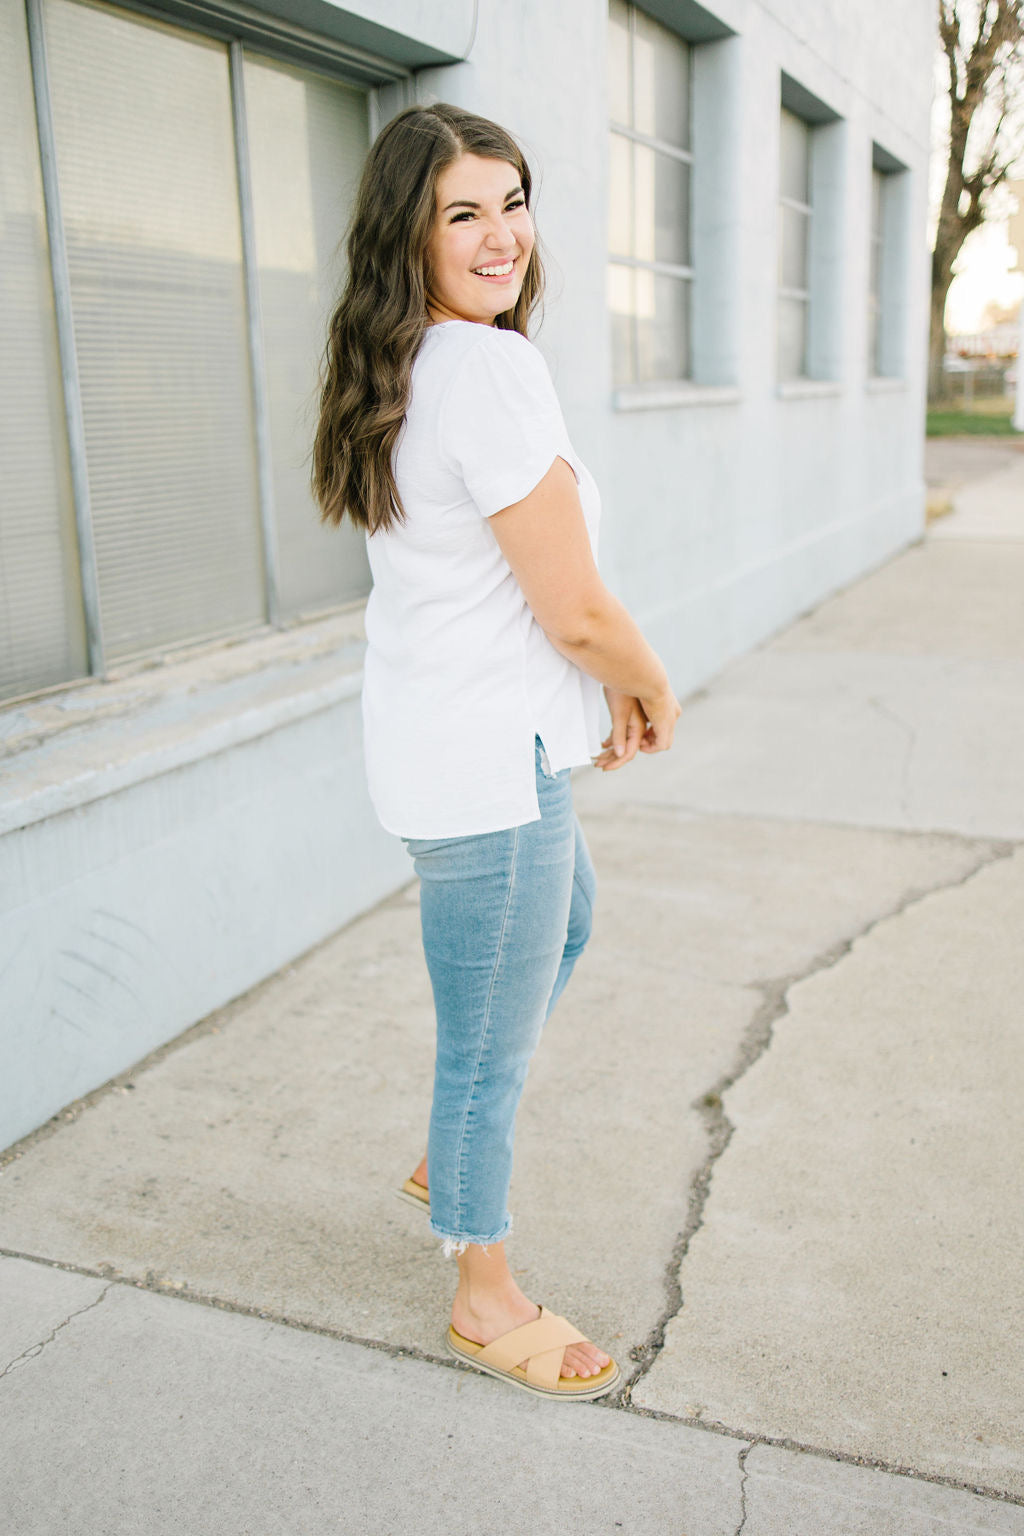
501, 426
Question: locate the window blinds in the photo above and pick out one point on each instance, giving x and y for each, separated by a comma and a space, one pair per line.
307, 141
152, 219
143, 128
42, 632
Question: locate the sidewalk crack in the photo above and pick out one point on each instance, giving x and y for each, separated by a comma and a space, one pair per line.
36, 1349
744, 1453
910, 733
757, 1039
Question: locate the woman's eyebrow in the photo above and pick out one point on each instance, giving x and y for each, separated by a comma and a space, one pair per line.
464, 202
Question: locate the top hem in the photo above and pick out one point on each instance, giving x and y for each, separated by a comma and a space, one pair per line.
503, 824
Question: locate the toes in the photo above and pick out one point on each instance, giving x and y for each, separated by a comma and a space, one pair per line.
583, 1361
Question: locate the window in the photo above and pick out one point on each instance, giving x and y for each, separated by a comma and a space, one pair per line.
875, 269
886, 265
201, 193
810, 237
650, 270
795, 215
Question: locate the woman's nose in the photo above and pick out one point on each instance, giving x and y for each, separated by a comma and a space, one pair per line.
500, 232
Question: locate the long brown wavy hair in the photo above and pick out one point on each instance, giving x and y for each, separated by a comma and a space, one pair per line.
380, 321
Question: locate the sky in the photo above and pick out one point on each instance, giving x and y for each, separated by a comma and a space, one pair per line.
984, 277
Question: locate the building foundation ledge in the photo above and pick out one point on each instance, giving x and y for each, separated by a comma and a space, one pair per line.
64, 749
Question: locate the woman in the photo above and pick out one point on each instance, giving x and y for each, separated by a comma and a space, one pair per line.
489, 634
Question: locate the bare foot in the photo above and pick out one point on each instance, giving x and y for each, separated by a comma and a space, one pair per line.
487, 1320
420, 1176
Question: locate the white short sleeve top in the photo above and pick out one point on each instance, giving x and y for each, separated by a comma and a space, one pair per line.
459, 676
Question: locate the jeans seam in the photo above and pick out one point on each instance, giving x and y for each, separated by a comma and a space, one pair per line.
578, 883
487, 1022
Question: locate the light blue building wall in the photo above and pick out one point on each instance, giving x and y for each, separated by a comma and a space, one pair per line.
179, 826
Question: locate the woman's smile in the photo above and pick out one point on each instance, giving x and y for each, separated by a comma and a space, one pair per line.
500, 273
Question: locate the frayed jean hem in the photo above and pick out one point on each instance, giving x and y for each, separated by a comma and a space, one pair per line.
456, 1245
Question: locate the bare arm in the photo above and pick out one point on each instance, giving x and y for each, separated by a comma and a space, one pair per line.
544, 539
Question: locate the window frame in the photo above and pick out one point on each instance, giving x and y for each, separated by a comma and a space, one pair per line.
683, 272
885, 351
805, 210
826, 254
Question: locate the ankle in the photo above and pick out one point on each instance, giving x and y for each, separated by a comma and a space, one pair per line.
481, 1301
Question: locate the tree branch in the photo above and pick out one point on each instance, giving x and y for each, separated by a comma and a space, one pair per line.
997, 42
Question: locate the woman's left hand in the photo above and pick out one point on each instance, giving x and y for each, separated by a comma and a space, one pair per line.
628, 725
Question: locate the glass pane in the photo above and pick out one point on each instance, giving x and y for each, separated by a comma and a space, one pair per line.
794, 157
42, 632
307, 142
618, 63
874, 337
142, 115
792, 338
662, 206
620, 307
877, 202
620, 196
662, 326
875, 265
794, 227
672, 201
661, 82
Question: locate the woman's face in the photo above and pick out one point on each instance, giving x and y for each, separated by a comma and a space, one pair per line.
481, 242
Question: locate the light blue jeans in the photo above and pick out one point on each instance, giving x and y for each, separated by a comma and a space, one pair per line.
505, 918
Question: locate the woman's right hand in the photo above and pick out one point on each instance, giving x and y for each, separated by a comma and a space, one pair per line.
661, 712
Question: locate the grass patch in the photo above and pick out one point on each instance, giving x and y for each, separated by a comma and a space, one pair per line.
989, 418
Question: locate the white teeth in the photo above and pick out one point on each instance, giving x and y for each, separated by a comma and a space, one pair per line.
495, 271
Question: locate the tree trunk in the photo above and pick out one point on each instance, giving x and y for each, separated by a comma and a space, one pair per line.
940, 385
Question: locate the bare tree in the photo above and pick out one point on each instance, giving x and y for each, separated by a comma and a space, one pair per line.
983, 42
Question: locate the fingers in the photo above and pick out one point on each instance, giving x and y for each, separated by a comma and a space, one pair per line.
637, 727
623, 741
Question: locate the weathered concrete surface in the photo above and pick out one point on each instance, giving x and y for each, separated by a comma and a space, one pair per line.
256, 1162
147, 1414
990, 508
857, 1279
769, 1152
143, 1413
899, 703
37, 1301
787, 1495
962, 464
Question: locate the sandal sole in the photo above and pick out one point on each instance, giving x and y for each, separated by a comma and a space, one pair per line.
416, 1200
594, 1388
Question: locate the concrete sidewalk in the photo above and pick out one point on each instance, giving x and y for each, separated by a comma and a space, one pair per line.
770, 1153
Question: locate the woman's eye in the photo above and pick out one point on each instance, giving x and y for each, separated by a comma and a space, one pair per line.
457, 218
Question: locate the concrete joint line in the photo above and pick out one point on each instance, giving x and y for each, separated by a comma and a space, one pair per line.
36, 1349
820, 1452
756, 1041
175, 1291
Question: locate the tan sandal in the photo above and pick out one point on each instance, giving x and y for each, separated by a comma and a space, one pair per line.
416, 1195
541, 1344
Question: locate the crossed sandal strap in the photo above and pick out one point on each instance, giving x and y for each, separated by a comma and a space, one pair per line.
540, 1343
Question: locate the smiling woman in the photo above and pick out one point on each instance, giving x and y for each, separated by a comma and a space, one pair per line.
489, 633
409, 250
482, 241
